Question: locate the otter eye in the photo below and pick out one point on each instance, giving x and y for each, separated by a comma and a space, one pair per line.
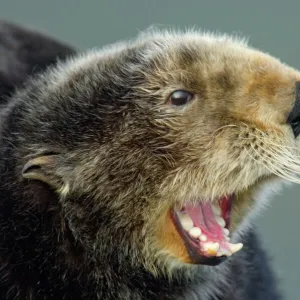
180, 97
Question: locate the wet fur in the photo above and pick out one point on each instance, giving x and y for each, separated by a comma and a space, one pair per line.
121, 157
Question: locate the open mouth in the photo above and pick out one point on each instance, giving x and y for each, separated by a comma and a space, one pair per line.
204, 228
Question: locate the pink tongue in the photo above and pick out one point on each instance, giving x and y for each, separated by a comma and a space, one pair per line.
204, 218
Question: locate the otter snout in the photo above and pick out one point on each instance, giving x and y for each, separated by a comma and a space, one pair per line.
294, 116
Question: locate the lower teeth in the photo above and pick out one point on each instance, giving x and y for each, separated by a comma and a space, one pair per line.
208, 247
214, 249
235, 247
211, 248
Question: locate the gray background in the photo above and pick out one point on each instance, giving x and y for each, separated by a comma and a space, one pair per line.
272, 26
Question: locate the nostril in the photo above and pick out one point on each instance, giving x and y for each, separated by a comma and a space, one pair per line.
296, 127
294, 116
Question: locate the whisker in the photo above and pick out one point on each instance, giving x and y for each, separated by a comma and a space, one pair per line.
281, 157
281, 162
291, 157
272, 142
285, 175
262, 133
222, 127
273, 170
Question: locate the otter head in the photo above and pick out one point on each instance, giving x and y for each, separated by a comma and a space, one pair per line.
156, 151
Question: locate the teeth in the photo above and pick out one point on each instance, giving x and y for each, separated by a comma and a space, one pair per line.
195, 232
203, 238
186, 221
226, 231
215, 247
220, 221
224, 252
212, 248
235, 247
226, 234
216, 210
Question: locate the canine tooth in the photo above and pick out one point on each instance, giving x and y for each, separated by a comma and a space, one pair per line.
186, 221
227, 238
203, 238
226, 231
227, 253
216, 209
235, 247
195, 232
224, 252
220, 221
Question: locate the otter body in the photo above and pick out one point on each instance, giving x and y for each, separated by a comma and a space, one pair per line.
95, 156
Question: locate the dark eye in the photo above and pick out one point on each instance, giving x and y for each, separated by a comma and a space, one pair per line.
180, 97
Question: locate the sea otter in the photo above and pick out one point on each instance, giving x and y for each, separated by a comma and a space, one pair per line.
134, 171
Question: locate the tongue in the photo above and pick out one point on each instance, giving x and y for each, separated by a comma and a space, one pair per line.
204, 218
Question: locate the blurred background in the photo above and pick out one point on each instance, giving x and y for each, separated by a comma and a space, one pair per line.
272, 26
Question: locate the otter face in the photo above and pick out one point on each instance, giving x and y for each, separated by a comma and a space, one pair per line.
159, 150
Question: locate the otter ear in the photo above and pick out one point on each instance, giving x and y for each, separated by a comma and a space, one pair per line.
44, 168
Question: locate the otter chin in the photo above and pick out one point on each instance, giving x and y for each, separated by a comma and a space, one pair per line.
136, 171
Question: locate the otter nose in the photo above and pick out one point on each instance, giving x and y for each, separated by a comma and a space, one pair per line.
294, 116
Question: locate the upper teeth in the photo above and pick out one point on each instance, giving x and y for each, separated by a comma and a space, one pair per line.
216, 210
226, 231
186, 221
220, 221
